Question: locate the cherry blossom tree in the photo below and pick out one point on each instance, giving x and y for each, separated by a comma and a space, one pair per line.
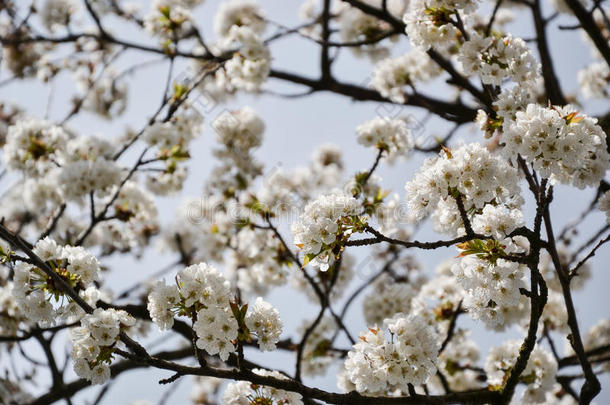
72, 201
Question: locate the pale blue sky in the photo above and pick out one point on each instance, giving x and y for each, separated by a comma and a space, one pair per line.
294, 128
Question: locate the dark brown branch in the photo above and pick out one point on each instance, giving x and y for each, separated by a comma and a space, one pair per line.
587, 22
96, 18
452, 326
551, 83
411, 244
493, 17
574, 272
325, 60
574, 361
591, 387
451, 111
72, 388
369, 173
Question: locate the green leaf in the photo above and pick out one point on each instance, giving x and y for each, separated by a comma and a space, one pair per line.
452, 367
308, 258
529, 378
179, 91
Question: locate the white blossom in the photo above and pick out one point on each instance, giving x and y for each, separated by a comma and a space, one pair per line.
460, 353
11, 314
93, 341
240, 13
264, 321
443, 290
469, 171
202, 293
387, 298
391, 135
204, 390
495, 59
181, 129
323, 225
594, 80
250, 65
21, 59
604, 205
539, 373
392, 75
561, 145
316, 357
32, 145
239, 130
517, 98
168, 20
38, 294
79, 179
56, 14
244, 393
377, 365
358, 26
428, 23
105, 95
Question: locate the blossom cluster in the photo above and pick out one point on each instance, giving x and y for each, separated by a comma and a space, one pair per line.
495, 59
539, 374
430, 23
56, 14
391, 135
58, 165
93, 342
377, 366
74, 189
250, 65
324, 224
493, 294
386, 299
358, 26
560, 144
11, 315
238, 132
32, 145
35, 290
594, 80
200, 292
21, 59
493, 283
317, 357
136, 220
105, 95
246, 393
255, 261
442, 292
172, 138
263, 320
512, 100
240, 13
203, 294
392, 75
454, 361
168, 20
469, 172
